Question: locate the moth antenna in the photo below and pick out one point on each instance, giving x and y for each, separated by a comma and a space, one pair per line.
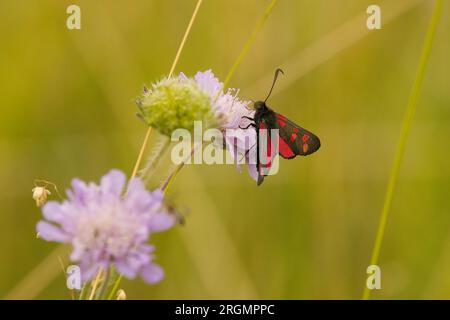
277, 72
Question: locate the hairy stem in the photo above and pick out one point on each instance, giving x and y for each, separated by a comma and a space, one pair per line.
154, 159
141, 153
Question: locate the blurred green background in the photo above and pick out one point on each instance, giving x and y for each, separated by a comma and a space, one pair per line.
67, 110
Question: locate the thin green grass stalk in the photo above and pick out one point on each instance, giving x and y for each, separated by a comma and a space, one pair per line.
173, 173
95, 283
115, 287
249, 42
83, 291
101, 293
407, 122
175, 169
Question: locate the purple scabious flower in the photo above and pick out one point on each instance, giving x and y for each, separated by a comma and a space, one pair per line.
230, 110
108, 228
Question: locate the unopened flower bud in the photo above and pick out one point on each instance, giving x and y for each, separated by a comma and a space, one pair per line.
176, 103
40, 195
121, 295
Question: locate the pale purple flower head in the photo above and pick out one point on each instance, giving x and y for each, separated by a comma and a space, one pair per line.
230, 109
106, 227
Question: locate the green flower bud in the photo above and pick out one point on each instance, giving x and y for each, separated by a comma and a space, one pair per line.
176, 103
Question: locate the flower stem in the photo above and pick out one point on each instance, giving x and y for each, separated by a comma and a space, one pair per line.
407, 121
141, 153
178, 168
102, 291
155, 159
115, 287
183, 41
83, 291
95, 283
171, 177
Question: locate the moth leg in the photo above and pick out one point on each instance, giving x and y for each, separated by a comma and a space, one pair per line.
260, 179
250, 125
247, 152
258, 167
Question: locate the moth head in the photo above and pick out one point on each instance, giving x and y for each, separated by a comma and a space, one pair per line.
259, 105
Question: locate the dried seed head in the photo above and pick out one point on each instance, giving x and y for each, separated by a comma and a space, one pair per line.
121, 295
40, 195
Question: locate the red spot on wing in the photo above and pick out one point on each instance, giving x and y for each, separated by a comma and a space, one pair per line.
305, 148
281, 122
293, 137
285, 150
305, 137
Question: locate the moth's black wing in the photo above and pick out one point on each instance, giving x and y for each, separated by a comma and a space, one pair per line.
294, 140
